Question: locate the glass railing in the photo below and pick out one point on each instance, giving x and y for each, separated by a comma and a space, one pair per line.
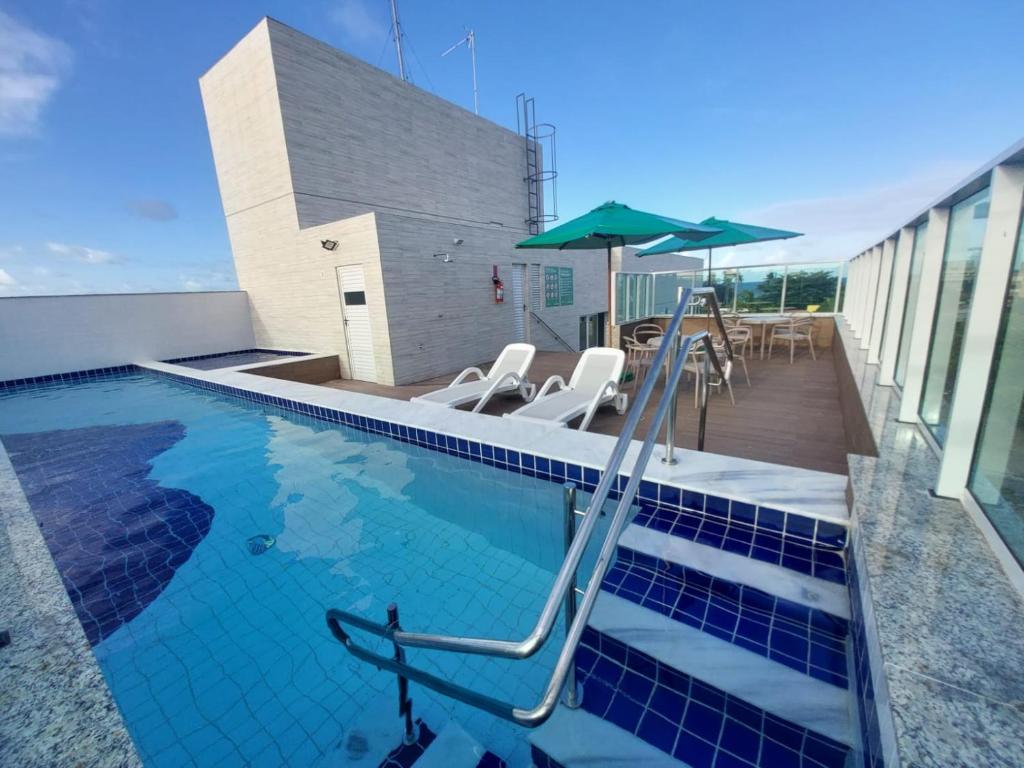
809, 287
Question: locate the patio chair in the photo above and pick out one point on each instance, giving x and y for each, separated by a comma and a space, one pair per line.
695, 365
647, 331
638, 361
799, 328
594, 382
507, 375
740, 338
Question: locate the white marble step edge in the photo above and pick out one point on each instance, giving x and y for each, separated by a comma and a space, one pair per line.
453, 748
774, 579
766, 684
574, 738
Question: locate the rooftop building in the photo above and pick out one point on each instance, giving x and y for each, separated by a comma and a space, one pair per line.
402, 500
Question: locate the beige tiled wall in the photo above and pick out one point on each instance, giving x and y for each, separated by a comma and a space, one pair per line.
311, 143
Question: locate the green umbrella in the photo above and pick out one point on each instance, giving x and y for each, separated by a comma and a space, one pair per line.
615, 224
730, 233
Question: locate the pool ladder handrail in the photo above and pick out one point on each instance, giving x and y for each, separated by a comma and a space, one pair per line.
674, 354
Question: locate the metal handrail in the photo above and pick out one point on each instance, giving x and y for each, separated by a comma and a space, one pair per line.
566, 577
552, 331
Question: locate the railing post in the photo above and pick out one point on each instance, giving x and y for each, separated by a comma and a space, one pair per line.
673, 394
709, 349
404, 702
572, 700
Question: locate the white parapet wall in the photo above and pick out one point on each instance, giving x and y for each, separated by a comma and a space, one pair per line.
41, 335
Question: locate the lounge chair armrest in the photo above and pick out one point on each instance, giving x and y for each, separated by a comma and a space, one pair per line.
462, 376
552, 380
509, 378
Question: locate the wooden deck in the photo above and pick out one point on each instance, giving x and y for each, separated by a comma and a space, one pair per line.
790, 414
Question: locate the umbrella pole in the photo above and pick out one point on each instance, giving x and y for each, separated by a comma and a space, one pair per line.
608, 324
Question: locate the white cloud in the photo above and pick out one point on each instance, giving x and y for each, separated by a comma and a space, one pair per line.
81, 253
357, 22
838, 227
31, 67
6, 280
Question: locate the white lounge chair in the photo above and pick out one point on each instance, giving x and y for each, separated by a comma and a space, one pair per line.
594, 383
508, 374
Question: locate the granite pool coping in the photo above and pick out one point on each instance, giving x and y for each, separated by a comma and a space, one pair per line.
945, 620
819, 495
55, 706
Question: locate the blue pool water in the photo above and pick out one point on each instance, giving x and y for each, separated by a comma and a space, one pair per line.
148, 492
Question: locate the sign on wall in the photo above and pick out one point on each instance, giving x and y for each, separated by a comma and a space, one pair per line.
558, 290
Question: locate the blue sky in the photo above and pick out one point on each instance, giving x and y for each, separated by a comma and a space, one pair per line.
836, 119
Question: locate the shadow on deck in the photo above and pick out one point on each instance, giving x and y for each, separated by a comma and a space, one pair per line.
791, 414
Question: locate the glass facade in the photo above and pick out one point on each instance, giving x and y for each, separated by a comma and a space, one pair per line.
910, 304
964, 239
997, 472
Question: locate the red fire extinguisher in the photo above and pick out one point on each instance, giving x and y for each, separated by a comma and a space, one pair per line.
499, 287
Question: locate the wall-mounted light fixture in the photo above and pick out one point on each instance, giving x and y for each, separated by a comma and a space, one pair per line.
446, 258
457, 241
329, 245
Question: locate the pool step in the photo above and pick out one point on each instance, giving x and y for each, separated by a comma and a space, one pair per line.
791, 695
794, 542
451, 747
576, 737
806, 640
684, 717
777, 580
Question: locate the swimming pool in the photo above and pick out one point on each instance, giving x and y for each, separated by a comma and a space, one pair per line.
150, 494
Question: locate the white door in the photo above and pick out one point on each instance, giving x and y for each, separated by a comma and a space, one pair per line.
519, 325
356, 317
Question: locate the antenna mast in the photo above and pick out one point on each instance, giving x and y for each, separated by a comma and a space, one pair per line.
470, 41
396, 32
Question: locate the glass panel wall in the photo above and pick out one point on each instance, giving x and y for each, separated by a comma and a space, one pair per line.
666, 290
966, 234
812, 288
910, 304
759, 289
724, 283
997, 472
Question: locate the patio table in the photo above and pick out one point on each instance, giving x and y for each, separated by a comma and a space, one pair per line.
766, 321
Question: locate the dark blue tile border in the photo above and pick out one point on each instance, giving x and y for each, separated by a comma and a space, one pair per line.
867, 706
68, 377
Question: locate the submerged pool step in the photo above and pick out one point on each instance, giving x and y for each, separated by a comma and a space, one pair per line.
572, 738
686, 718
451, 747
